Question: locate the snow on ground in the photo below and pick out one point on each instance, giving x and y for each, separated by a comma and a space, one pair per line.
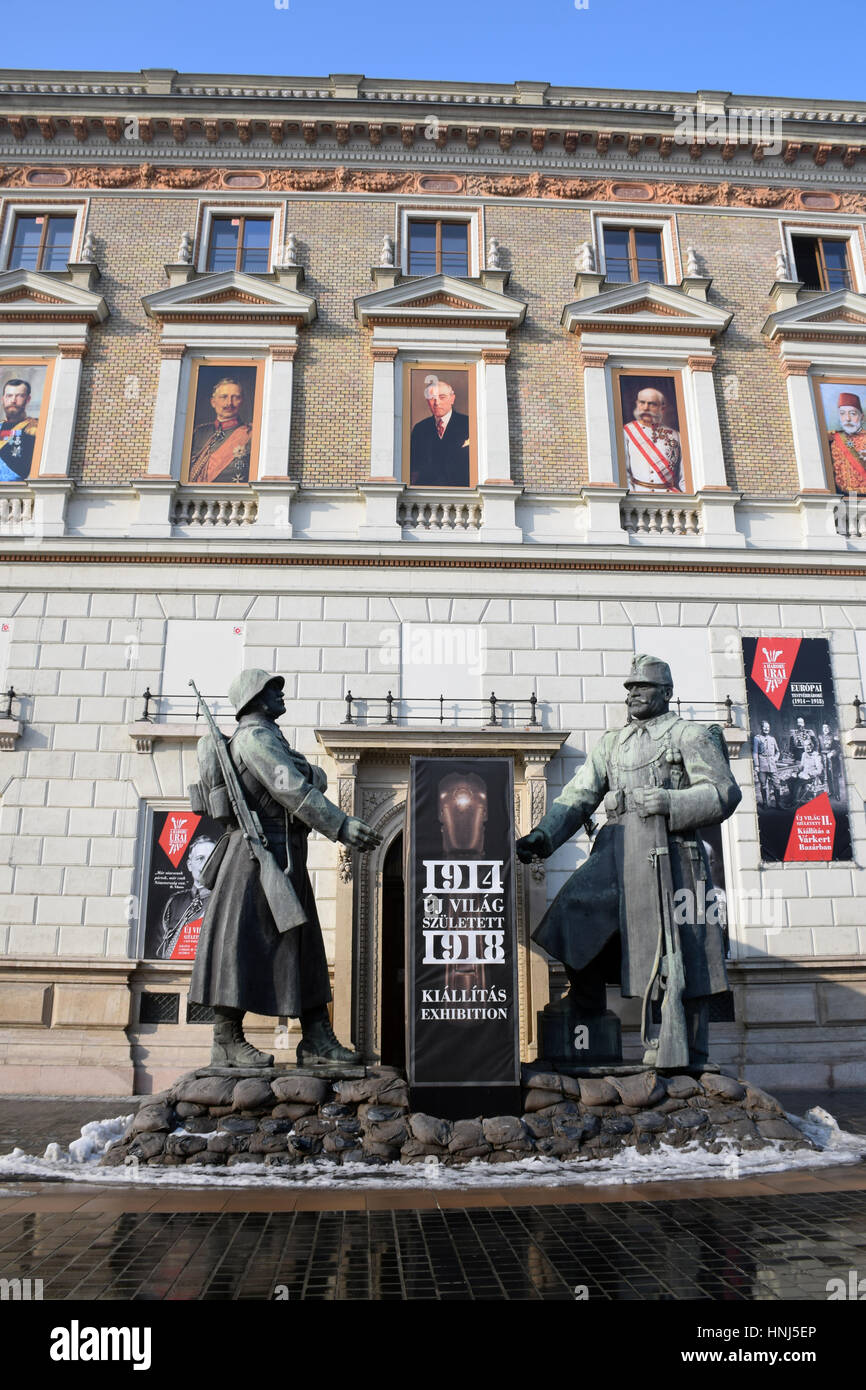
80, 1163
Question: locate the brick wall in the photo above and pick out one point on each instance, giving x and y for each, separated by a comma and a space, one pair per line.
136, 236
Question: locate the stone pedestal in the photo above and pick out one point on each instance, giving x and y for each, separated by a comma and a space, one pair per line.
572, 1043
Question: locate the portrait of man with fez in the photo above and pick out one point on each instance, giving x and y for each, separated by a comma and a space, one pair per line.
440, 449
847, 443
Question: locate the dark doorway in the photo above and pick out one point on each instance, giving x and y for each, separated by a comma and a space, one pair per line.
393, 987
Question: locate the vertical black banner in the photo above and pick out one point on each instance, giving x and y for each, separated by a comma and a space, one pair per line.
800, 785
460, 923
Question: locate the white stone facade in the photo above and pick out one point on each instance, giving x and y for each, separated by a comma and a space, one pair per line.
86, 639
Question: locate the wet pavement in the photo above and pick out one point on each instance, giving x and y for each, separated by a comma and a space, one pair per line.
763, 1238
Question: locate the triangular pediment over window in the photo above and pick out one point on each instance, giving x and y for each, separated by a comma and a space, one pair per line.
228, 296
438, 299
644, 307
839, 315
44, 298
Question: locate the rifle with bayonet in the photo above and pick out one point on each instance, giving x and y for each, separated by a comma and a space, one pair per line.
672, 1048
283, 901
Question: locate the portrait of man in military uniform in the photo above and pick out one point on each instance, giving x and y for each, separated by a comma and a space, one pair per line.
661, 778
653, 445
21, 392
831, 754
765, 756
843, 408
225, 417
186, 907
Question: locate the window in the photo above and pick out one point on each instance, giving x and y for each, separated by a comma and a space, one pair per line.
632, 254
41, 241
438, 247
821, 263
240, 243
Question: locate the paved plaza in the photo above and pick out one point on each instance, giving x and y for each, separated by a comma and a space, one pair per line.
774, 1237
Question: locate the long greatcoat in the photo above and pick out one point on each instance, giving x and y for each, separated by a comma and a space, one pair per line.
617, 889
242, 961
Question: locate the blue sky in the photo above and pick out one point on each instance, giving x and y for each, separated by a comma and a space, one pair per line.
745, 46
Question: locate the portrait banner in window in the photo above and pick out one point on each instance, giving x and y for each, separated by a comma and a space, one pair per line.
460, 923
651, 432
24, 388
175, 897
223, 422
841, 404
439, 425
800, 786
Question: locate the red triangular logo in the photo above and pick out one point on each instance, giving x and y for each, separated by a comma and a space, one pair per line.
773, 664
176, 834
813, 831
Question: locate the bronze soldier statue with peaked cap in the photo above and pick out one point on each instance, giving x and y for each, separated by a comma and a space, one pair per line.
245, 961
661, 778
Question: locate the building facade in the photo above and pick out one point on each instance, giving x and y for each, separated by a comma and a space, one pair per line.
442, 401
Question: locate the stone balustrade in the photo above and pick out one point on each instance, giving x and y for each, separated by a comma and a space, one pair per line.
440, 514
652, 518
206, 510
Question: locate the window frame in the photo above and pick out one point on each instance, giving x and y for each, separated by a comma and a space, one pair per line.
438, 224
826, 232
664, 225
209, 212
13, 210
471, 217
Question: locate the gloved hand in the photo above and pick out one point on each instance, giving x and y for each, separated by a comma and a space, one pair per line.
652, 801
533, 846
357, 834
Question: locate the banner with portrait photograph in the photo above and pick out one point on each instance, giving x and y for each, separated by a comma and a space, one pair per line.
651, 431
460, 923
175, 899
800, 786
24, 389
224, 420
439, 425
840, 402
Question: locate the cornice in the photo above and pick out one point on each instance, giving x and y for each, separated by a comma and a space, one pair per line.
547, 147
166, 87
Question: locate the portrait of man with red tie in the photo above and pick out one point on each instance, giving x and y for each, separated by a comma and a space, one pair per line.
440, 448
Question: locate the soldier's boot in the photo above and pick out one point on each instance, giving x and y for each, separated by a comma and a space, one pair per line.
230, 1047
319, 1045
586, 996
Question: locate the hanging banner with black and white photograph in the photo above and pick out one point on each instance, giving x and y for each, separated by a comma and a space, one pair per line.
460, 923
175, 898
800, 786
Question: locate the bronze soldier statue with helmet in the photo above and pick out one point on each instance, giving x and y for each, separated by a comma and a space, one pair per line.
646, 884
260, 948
